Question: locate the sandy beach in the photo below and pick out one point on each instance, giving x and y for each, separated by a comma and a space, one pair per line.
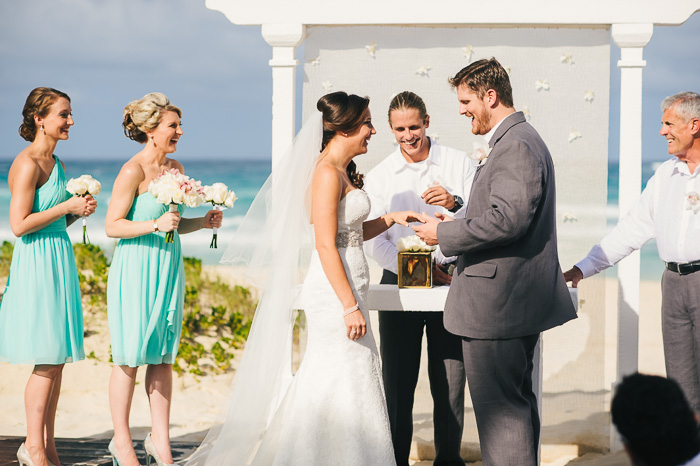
575, 425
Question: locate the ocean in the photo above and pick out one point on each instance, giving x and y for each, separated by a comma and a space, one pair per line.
246, 178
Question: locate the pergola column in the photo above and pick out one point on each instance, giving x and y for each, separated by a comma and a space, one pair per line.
631, 38
284, 39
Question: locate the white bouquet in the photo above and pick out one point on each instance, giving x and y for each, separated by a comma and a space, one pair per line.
82, 186
220, 197
412, 244
172, 188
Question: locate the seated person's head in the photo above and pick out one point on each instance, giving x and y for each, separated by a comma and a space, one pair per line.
655, 421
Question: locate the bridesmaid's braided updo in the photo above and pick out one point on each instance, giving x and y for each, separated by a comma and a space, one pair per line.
343, 112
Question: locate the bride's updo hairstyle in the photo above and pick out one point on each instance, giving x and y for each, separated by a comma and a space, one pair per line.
343, 112
145, 114
38, 103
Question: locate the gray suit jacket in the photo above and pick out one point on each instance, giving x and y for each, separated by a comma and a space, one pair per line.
508, 282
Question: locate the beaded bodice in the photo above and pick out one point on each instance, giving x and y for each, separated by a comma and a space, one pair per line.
353, 210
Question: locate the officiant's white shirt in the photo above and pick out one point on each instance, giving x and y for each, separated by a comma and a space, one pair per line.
395, 184
663, 212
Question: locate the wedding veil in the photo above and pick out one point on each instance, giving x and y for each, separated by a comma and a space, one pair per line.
274, 241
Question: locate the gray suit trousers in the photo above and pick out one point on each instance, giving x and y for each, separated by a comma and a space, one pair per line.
680, 319
499, 373
401, 337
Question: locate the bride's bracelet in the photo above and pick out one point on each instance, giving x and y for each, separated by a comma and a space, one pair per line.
350, 310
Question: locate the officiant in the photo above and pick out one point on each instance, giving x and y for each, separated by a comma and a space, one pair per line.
422, 176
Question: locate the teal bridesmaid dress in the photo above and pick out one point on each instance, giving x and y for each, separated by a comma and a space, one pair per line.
41, 318
146, 292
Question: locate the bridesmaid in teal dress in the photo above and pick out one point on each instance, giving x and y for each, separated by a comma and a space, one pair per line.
41, 319
145, 288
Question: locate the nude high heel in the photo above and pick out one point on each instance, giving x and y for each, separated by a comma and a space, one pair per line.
113, 451
23, 456
151, 452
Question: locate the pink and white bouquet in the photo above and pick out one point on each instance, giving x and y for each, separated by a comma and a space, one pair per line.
220, 197
173, 188
83, 186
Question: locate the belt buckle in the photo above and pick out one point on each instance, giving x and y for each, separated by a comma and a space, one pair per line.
685, 269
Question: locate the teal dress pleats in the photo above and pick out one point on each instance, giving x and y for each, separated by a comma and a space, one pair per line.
41, 318
146, 292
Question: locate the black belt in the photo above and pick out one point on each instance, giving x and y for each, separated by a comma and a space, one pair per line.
683, 268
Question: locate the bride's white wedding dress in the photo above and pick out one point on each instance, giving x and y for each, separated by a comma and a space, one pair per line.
334, 412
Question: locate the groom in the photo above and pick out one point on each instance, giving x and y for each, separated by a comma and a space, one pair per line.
508, 286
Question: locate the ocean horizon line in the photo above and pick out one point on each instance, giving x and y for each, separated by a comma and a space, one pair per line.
116, 158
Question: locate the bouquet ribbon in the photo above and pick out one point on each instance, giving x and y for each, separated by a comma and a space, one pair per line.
86, 240
214, 244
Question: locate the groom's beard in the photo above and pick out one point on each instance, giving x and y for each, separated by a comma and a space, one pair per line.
482, 122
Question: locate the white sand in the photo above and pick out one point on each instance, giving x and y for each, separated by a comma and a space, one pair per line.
83, 409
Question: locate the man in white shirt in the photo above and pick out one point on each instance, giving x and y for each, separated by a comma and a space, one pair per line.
657, 425
424, 177
668, 210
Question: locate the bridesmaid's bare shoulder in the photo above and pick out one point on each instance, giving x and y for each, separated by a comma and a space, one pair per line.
24, 166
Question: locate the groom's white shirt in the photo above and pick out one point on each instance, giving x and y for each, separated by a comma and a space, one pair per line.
395, 184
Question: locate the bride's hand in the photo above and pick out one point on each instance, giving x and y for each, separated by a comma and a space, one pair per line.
405, 217
355, 325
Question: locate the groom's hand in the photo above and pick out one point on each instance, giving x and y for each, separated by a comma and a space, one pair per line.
428, 230
443, 217
573, 275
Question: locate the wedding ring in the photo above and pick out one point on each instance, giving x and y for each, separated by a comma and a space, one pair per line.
353, 331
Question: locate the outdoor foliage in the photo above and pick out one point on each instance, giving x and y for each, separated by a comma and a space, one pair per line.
92, 267
216, 322
217, 317
5, 258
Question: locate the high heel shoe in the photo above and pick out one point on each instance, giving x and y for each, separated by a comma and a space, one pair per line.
23, 456
151, 452
113, 451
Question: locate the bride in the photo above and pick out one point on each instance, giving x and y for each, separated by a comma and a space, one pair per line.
332, 411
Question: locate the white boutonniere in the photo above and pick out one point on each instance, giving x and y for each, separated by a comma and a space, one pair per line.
481, 152
692, 202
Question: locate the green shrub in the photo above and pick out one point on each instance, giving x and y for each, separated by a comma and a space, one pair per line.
216, 321
93, 269
6, 249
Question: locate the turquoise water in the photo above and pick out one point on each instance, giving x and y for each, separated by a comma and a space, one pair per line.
245, 177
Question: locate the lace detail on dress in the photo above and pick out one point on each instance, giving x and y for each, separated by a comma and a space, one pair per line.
348, 239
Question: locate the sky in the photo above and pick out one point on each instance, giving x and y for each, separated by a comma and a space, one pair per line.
106, 53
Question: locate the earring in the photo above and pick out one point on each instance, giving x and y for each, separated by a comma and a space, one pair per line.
41, 128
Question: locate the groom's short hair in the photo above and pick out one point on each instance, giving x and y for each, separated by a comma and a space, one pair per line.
655, 420
483, 75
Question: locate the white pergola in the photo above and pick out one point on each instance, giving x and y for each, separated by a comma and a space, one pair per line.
284, 26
